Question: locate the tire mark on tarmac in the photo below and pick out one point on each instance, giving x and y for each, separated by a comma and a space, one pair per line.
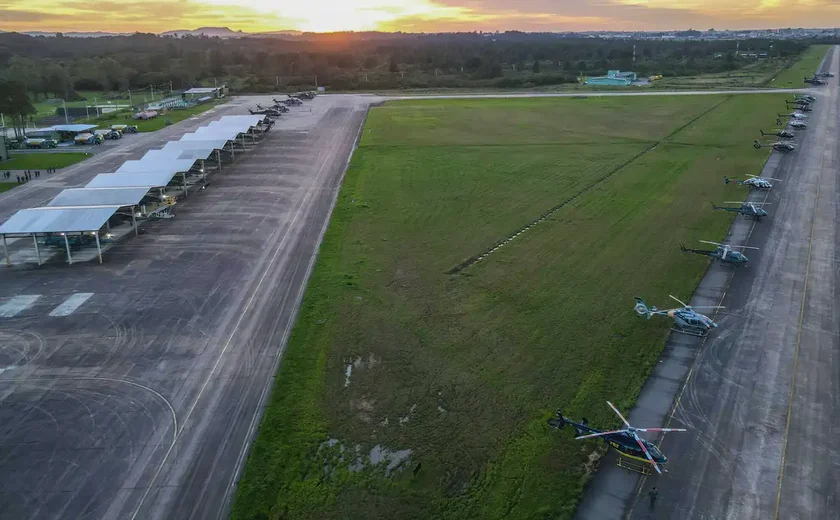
600, 180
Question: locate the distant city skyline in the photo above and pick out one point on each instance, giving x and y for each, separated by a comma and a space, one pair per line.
415, 15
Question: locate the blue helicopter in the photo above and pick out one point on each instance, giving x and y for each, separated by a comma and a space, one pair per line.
626, 441
723, 252
686, 319
747, 209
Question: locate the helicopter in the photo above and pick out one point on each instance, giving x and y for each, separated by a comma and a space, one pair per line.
747, 209
799, 125
805, 97
779, 146
794, 115
825, 74
686, 320
814, 80
784, 134
800, 106
264, 112
723, 252
626, 441
762, 183
277, 107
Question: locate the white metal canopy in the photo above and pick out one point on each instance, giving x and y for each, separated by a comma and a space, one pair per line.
147, 180
100, 197
58, 220
220, 132
187, 143
156, 163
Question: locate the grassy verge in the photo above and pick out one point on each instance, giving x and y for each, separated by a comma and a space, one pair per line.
42, 161
150, 125
5, 186
48, 107
454, 376
806, 67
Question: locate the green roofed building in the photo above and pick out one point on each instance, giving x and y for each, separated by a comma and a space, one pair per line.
613, 78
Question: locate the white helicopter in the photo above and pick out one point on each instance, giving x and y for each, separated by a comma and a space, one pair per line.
754, 181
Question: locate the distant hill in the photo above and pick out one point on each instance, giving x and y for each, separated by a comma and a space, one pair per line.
218, 32
97, 34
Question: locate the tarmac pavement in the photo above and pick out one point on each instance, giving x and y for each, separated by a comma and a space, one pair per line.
132, 389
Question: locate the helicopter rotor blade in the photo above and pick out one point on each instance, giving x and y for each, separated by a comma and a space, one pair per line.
709, 307
645, 450
678, 301
768, 178
661, 430
600, 434
619, 414
713, 243
743, 247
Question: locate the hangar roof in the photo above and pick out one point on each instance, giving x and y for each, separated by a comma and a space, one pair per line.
156, 162
73, 128
100, 196
58, 219
146, 180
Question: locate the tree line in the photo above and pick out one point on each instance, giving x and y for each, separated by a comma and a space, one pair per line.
60, 66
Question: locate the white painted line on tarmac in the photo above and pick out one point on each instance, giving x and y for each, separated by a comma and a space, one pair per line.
18, 304
72, 303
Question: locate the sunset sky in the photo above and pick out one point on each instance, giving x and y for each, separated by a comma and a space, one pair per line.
413, 15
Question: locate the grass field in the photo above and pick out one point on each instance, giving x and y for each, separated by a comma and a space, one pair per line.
409, 393
47, 107
806, 66
42, 161
5, 186
150, 125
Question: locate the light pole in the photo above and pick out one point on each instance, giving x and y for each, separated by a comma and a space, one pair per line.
66, 119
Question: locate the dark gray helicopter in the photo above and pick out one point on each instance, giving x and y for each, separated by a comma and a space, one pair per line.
723, 252
825, 74
805, 97
686, 319
277, 107
626, 441
798, 125
804, 107
779, 146
784, 134
264, 112
815, 80
747, 209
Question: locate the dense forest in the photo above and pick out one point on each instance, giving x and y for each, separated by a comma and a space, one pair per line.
59, 66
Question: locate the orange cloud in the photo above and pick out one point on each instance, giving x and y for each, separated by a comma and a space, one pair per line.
411, 15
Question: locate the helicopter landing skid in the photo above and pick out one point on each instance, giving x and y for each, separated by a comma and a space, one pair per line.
642, 468
689, 332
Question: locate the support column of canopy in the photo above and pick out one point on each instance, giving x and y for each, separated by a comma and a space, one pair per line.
6, 252
37, 249
98, 246
134, 221
67, 248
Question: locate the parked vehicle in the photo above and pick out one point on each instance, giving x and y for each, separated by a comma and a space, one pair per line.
40, 143
126, 129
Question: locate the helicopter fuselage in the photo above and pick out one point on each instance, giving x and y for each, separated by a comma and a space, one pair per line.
621, 442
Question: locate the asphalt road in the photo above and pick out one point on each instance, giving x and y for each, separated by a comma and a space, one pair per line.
760, 397
132, 389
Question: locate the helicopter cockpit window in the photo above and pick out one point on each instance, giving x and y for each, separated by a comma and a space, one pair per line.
654, 451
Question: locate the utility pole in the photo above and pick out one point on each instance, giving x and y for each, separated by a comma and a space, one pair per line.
316, 81
170, 87
129, 97
66, 119
153, 93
